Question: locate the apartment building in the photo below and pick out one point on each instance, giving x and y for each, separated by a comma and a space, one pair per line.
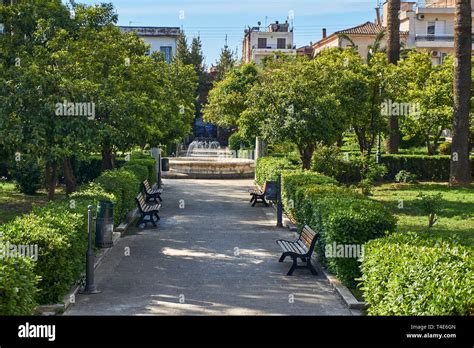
161, 39
430, 24
258, 44
426, 25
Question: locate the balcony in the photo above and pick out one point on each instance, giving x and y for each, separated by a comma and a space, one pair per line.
436, 41
274, 47
437, 38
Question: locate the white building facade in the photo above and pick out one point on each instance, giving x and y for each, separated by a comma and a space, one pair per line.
161, 39
260, 44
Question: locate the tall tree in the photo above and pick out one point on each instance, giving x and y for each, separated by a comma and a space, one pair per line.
393, 54
196, 57
182, 49
225, 63
460, 163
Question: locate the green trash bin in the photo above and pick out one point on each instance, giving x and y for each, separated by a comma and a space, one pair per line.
165, 164
104, 225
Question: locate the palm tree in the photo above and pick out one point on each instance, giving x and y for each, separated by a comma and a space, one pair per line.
393, 53
375, 47
460, 164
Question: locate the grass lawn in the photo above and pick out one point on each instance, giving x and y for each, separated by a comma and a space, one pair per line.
14, 203
455, 218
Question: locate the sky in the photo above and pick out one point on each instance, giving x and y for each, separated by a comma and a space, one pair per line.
212, 20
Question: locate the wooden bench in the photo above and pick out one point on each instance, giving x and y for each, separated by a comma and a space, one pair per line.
302, 249
258, 194
152, 194
147, 209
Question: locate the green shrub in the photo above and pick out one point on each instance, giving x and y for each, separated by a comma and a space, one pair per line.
18, 286
61, 238
340, 215
293, 185
405, 274
424, 167
268, 168
123, 185
149, 163
445, 149
87, 170
430, 205
404, 176
28, 175
331, 161
140, 171
236, 140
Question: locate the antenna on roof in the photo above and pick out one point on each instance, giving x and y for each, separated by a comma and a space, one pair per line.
225, 40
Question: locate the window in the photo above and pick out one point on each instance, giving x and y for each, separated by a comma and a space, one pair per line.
167, 53
444, 55
262, 42
431, 28
281, 43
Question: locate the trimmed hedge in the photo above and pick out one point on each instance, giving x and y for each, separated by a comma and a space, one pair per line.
405, 274
62, 242
18, 286
150, 165
268, 168
140, 171
340, 215
123, 185
424, 167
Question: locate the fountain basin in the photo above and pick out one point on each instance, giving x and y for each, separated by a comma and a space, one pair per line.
210, 168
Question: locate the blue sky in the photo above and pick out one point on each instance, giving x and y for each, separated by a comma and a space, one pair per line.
213, 19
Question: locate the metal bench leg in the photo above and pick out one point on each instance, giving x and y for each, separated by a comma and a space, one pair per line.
282, 257
292, 269
157, 216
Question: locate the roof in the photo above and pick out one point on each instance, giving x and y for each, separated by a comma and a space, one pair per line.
368, 28
152, 31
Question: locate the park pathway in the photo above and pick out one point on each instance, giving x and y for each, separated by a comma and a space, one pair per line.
212, 254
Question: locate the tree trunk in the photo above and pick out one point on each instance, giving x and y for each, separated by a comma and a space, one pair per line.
306, 156
69, 177
460, 165
51, 178
393, 54
107, 158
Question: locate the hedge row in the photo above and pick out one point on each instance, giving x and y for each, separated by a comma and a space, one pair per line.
341, 216
59, 230
405, 274
424, 167
268, 168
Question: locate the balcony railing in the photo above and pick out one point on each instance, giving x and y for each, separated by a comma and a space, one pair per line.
437, 38
274, 47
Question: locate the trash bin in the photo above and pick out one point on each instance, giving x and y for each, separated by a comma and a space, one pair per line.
104, 226
165, 164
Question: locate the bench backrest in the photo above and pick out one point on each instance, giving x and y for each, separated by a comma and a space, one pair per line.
146, 185
140, 199
308, 237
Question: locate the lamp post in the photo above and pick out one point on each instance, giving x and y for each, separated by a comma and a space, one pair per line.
90, 287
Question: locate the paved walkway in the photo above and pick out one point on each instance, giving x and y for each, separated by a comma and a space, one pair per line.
213, 256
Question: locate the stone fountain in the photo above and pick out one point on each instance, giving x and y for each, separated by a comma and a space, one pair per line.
206, 159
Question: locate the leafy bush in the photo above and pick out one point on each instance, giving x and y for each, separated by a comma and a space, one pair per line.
405, 274
404, 176
340, 215
236, 140
268, 168
28, 175
430, 205
18, 286
61, 238
123, 185
445, 148
293, 185
331, 161
149, 163
140, 171
87, 170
